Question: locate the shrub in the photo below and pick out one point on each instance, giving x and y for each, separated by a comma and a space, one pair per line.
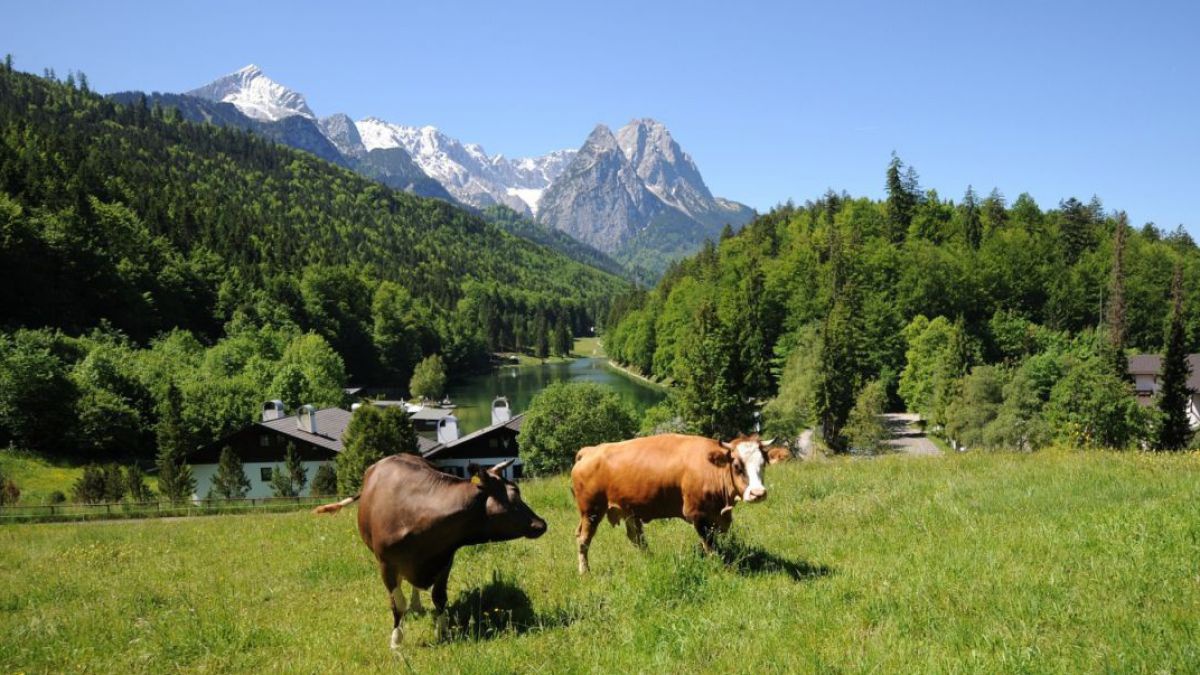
89, 487
565, 417
429, 378
373, 433
324, 481
865, 429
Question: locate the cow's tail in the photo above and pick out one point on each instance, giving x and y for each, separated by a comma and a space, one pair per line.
337, 506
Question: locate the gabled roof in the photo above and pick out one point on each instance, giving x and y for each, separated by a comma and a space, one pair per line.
331, 424
513, 424
1151, 364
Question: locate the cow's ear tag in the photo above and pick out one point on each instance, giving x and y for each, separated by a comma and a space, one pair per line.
476, 479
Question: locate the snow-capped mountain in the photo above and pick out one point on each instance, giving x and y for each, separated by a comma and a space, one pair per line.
256, 95
465, 169
635, 193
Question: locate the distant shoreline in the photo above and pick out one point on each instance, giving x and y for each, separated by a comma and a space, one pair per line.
637, 376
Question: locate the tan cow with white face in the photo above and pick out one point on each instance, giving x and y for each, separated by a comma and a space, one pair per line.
666, 476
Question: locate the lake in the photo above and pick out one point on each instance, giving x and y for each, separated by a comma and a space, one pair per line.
520, 384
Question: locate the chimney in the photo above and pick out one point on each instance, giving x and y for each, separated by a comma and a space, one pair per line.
306, 419
501, 413
447, 429
272, 410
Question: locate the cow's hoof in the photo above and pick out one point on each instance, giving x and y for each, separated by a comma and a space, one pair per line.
397, 638
442, 628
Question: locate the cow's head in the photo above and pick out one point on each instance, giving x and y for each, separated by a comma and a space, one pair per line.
749, 456
508, 516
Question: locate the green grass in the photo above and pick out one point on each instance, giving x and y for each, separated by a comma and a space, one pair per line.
588, 346
1050, 562
37, 477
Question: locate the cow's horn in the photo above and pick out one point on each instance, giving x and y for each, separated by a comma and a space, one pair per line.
770, 442
502, 465
727, 509
726, 445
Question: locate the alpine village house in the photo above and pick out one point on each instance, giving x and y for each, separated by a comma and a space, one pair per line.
316, 435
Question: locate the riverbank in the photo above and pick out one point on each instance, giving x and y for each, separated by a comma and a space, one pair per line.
664, 385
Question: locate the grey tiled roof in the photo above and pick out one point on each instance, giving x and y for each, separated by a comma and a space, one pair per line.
513, 424
331, 424
1151, 364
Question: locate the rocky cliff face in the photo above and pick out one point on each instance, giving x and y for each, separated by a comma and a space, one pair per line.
637, 189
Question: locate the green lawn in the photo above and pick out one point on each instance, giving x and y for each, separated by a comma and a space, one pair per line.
1050, 563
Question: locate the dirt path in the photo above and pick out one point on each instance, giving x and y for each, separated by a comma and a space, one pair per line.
907, 436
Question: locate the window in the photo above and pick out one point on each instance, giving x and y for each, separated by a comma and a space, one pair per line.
264, 441
493, 442
265, 473
516, 471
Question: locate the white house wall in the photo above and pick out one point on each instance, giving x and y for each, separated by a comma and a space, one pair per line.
259, 488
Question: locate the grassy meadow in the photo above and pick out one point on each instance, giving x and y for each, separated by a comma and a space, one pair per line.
1058, 561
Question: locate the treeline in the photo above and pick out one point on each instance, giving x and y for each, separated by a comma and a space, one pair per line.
1003, 324
127, 215
138, 250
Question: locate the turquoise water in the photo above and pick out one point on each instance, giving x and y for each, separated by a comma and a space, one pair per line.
520, 384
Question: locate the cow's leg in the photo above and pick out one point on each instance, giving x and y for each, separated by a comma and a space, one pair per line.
583, 536
438, 593
391, 580
708, 534
414, 604
633, 530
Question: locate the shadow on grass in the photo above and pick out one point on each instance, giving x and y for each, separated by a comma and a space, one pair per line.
499, 608
750, 560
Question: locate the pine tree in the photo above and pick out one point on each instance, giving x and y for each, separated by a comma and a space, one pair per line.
995, 213
1175, 430
901, 200
373, 433
89, 487
562, 337
289, 480
1116, 301
175, 480
710, 399
114, 483
972, 225
542, 340
135, 484
230, 481
324, 481
295, 468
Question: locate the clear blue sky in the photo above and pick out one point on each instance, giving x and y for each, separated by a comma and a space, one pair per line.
773, 100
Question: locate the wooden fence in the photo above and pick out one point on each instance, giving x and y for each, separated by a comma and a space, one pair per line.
67, 511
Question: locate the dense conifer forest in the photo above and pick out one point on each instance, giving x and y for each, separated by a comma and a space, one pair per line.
138, 250
1002, 323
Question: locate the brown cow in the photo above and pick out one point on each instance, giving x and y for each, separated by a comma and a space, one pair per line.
666, 476
778, 453
414, 518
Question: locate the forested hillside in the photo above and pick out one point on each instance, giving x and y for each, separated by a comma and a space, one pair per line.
1001, 323
211, 258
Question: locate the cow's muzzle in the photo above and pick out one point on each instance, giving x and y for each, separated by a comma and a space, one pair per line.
756, 494
536, 528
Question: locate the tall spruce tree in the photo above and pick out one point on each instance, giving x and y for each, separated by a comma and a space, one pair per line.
710, 399
230, 481
840, 359
175, 480
972, 223
1175, 430
901, 200
1116, 300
